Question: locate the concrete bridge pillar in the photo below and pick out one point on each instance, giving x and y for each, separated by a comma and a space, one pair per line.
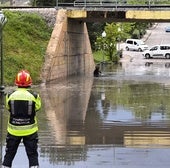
69, 50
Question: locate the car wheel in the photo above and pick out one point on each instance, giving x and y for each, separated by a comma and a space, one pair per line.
147, 56
167, 65
127, 48
139, 49
167, 56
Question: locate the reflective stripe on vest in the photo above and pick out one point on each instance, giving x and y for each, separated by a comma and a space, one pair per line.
12, 107
22, 130
30, 103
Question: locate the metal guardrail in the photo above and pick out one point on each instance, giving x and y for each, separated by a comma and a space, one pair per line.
114, 3
99, 2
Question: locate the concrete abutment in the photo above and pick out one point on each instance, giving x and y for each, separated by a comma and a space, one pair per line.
69, 50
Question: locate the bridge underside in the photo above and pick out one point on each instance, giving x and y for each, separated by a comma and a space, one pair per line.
120, 16
69, 50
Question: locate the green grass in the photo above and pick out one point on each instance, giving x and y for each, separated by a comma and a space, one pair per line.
25, 39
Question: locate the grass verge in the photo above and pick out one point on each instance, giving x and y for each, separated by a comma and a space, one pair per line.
25, 39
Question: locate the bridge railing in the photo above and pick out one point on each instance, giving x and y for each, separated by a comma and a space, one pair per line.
99, 2
110, 3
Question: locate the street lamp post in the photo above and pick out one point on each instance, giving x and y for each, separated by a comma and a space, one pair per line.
56, 3
3, 20
103, 35
118, 46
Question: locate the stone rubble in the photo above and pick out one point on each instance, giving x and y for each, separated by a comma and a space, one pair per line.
49, 14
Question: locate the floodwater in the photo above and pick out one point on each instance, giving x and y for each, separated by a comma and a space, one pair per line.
119, 120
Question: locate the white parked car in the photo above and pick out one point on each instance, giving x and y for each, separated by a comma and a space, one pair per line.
158, 51
135, 44
167, 29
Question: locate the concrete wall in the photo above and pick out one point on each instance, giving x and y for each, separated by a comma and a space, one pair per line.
69, 50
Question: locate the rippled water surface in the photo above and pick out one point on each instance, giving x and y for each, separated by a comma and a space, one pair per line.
120, 120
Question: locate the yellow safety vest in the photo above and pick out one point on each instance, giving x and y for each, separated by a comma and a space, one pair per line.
23, 130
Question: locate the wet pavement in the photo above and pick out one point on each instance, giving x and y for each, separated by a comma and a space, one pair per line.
119, 120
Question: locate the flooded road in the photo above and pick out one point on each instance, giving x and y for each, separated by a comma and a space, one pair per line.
119, 120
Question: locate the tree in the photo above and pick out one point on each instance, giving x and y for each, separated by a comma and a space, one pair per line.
139, 29
115, 32
43, 2
94, 30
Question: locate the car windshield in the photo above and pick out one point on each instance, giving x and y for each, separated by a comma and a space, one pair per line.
141, 43
154, 48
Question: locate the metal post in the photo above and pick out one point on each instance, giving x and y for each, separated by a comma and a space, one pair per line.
3, 20
85, 3
101, 2
118, 46
56, 3
2, 65
1, 124
149, 4
103, 35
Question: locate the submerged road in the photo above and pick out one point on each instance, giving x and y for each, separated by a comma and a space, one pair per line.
121, 120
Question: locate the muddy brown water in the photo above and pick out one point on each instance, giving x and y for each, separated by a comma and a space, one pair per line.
119, 120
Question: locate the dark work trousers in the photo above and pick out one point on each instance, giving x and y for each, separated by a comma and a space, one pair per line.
31, 146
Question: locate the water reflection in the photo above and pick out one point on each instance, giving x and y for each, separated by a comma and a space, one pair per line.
130, 107
167, 64
87, 122
102, 111
65, 106
66, 103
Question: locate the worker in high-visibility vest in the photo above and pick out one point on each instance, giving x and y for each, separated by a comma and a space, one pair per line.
22, 104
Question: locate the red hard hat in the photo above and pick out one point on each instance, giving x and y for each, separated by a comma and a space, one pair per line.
23, 79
